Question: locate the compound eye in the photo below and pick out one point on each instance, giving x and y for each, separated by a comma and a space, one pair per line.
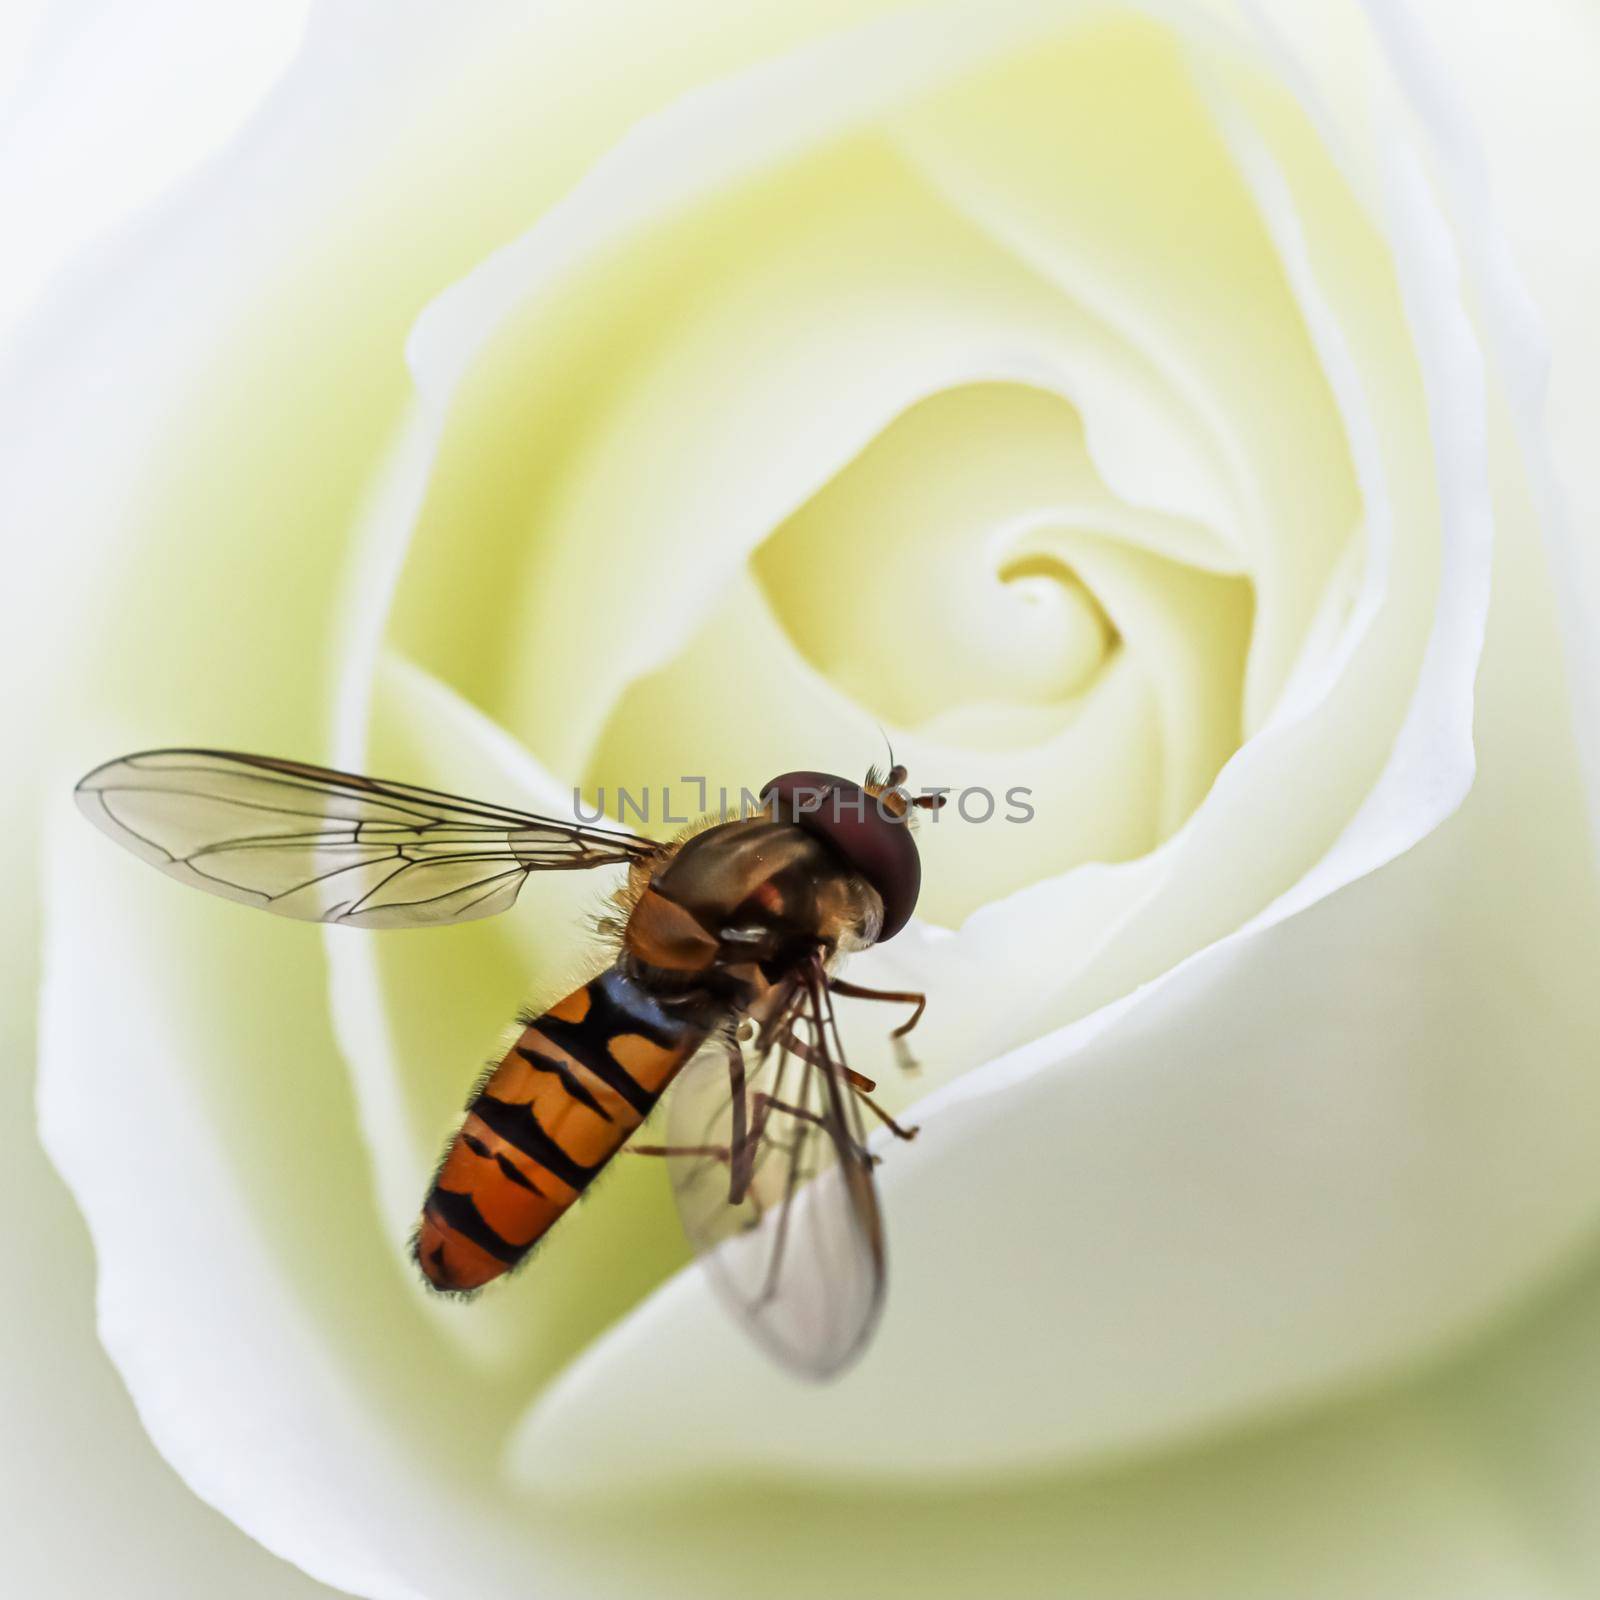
880, 848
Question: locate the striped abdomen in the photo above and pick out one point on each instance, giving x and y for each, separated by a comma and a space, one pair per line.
562, 1102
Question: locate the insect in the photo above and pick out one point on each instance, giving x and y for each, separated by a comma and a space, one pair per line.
726, 945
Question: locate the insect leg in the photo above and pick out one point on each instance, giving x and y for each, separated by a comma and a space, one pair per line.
857, 1082
765, 1104
717, 1152
899, 1130
796, 1046
732, 1153
909, 997
741, 1169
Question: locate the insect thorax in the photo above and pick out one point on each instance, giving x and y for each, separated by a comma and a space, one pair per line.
749, 892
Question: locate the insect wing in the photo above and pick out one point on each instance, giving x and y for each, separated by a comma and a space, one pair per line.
779, 1202
327, 846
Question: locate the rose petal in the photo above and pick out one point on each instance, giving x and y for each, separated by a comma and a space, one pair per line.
262, 1419
593, 414
1477, 1482
1455, 1528
1215, 1046
1062, 158
1509, 78
312, 1464
1307, 1157
520, 383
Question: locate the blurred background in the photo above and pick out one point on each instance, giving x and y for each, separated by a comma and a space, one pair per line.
103, 108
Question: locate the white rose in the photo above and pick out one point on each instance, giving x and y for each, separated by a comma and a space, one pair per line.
1125, 405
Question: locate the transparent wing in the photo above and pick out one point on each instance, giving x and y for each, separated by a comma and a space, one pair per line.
326, 846
774, 1186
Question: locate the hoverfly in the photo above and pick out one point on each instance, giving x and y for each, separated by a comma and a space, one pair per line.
726, 938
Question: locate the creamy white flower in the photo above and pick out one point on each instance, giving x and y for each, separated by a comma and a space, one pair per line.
1110, 401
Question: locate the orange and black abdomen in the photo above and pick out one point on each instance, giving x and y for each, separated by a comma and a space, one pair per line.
566, 1097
